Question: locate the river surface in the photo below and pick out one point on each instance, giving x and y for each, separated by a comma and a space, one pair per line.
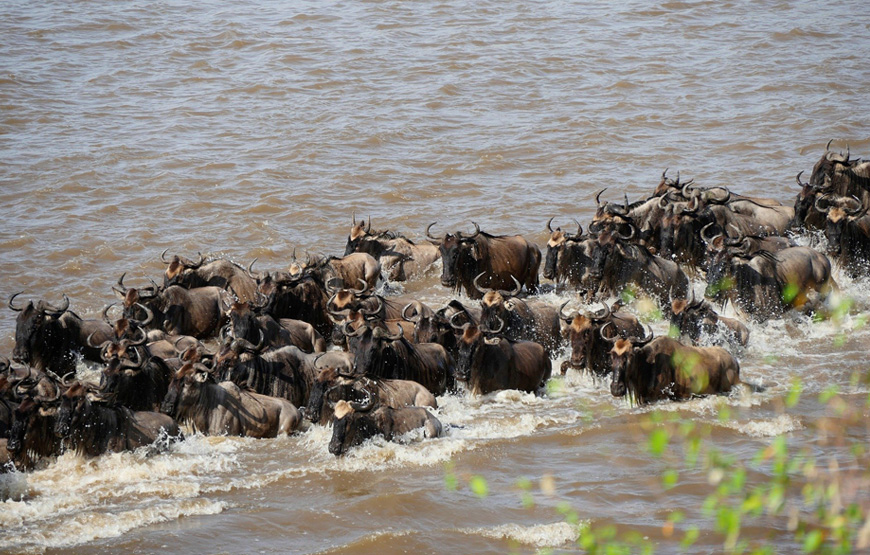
252, 129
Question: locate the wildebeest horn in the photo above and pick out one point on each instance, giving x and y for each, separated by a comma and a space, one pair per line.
123, 288
513, 292
105, 313
54, 311
453, 323
704, 235
332, 289
68, 382
314, 363
687, 188
604, 314
11, 306
663, 200
828, 146
429, 234
631, 235
549, 224
689, 208
416, 318
360, 292
500, 327
365, 405
604, 337
579, 229
163, 257
567, 317
345, 329
664, 174
598, 195
90, 344
473, 235
483, 290
369, 226
857, 212
149, 316
822, 204
248, 346
383, 333
375, 311
640, 342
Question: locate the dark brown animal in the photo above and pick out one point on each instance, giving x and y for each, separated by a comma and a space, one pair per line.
354, 423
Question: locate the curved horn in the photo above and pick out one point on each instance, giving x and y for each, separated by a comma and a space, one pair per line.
549, 224
828, 146
58, 311
483, 290
857, 212
513, 292
360, 292
604, 337
375, 311
500, 327
429, 235
598, 195
149, 316
105, 314
11, 306
123, 288
640, 342
348, 332
473, 235
631, 235
819, 204
567, 317
798, 179
332, 289
163, 257
705, 237
416, 318
605, 314
579, 229
364, 406
454, 325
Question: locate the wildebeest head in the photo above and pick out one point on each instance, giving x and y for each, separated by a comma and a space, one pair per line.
608, 215
34, 328
830, 163
581, 331
352, 425
330, 386
470, 347
35, 414
375, 352
497, 305
561, 245
185, 387
180, 271
622, 357
232, 355
74, 405
459, 254
692, 317
720, 274
359, 232
838, 211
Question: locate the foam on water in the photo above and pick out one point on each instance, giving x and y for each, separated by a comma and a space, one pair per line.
540, 535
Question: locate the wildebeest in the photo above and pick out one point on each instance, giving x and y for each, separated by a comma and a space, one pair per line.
847, 229
132, 377
619, 262
218, 273
765, 285
48, 337
287, 373
92, 428
32, 437
247, 322
493, 364
223, 408
300, 296
519, 319
568, 257
653, 369
588, 336
350, 269
198, 312
333, 385
400, 257
354, 423
834, 174
696, 319
502, 258
383, 355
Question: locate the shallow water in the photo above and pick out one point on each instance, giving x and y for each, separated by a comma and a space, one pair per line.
250, 130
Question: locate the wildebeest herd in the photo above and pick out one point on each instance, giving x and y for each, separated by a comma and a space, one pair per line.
223, 349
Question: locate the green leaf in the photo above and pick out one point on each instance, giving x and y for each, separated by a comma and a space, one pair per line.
692, 535
813, 541
794, 393
829, 393
789, 292
669, 478
479, 486
658, 441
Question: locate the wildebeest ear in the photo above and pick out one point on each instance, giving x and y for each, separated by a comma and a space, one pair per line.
201, 377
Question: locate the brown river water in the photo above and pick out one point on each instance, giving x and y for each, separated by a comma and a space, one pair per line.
250, 129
